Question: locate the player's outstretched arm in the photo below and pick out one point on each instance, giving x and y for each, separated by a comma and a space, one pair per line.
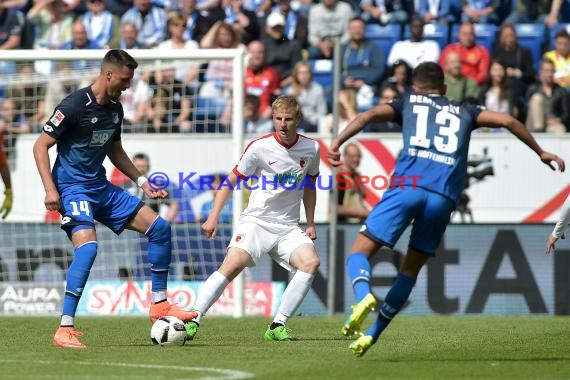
7, 179
379, 113
560, 227
495, 119
41, 155
310, 202
222, 195
122, 161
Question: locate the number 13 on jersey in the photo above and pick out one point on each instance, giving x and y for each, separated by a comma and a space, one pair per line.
445, 139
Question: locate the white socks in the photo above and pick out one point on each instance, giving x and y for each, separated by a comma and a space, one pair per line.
293, 296
209, 293
290, 302
158, 296
66, 320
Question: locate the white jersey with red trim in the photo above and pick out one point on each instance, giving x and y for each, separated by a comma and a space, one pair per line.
279, 174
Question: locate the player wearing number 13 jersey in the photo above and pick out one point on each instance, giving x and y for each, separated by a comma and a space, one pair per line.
86, 126
436, 133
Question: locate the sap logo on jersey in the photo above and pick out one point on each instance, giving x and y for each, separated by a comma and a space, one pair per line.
101, 137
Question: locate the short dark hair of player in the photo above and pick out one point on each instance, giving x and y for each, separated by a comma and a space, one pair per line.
119, 58
428, 76
288, 102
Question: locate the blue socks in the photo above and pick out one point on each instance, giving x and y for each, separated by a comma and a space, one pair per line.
358, 268
77, 275
159, 254
395, 299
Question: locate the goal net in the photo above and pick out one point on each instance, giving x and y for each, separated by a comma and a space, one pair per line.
180, 112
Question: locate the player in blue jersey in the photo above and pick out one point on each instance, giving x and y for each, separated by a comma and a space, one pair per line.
86, 126
436, 133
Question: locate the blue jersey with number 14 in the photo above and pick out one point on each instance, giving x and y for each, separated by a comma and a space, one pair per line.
84, 131
436, 133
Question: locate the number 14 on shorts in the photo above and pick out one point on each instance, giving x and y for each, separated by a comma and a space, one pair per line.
79, 207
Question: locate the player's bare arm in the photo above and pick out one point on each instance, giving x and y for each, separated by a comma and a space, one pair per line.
6, 205
550, 244
310, 202
377, 114
495, 119
41, 147
6, 177
210, 225
560, 227
123, 162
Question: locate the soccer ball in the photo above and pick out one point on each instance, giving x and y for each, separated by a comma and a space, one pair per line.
168, 331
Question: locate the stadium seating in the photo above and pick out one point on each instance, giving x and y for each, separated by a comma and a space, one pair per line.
384, 36
553, 31
485, 34
436, 32
322, 72
532, 36
206, 112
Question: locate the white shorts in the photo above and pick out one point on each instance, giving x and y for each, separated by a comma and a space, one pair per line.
258, 237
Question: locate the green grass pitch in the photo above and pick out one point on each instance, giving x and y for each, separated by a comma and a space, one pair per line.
225, 348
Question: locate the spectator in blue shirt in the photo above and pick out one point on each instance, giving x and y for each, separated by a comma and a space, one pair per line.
362, 61
79, 40
102, 26
150, 21
435, 11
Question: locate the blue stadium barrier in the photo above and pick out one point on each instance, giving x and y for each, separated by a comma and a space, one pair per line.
384, 36
435, 32
485, 34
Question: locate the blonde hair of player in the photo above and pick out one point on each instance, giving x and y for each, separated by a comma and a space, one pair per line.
287, 102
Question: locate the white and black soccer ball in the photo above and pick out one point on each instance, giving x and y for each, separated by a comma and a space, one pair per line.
168, 331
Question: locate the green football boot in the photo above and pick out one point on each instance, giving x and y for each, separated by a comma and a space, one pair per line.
359, 313
279, 333
191, 329
361, 345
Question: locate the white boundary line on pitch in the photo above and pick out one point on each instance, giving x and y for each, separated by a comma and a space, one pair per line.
227, 374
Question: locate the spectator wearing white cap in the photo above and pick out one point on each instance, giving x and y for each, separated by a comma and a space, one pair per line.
296, 27
280, 53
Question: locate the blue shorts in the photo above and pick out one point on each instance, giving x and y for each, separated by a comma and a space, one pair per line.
428, 212
105, 203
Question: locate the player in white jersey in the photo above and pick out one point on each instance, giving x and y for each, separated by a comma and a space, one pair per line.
560, 226
284, 166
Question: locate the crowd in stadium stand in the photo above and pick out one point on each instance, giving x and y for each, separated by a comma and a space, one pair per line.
510, 56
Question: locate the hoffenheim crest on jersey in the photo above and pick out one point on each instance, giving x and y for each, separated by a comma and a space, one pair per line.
115, 117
